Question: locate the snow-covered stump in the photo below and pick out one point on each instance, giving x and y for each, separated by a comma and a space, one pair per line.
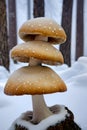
62, 119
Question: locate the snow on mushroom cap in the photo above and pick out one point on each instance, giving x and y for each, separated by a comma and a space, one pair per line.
43, 51
34, 80
42, 26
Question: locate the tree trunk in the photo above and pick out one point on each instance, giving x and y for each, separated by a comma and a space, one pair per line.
12, 24
66, 24
38, 10
29, 8
4, 53
80, 29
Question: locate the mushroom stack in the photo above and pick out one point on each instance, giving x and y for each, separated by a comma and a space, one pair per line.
36, 79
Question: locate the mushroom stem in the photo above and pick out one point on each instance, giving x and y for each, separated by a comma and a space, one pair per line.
34, 61
41, 38
40, 109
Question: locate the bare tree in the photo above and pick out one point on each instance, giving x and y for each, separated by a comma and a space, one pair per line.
38, 10
29, 8
66, 23
80, 29
4, 53
12, 23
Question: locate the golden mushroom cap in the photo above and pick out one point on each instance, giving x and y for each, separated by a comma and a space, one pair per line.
34, 80
41, 50
42, 26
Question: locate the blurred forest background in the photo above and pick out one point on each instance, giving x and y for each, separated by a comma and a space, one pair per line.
38, 8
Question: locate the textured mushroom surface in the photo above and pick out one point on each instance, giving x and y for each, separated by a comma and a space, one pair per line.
34, 80
37, 49
44, 27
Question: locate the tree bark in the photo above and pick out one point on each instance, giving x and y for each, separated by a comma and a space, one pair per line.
28, 8
4, 53
80, 29
12, 24
38, 10
66, 24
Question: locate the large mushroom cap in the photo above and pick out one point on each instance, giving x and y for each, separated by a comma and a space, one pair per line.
43, 51
42, 26
34, 80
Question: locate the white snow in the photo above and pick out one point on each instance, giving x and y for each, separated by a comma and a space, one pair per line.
75, 78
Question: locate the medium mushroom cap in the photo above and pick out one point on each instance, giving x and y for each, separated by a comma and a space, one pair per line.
42, 26
43, 51
34, 80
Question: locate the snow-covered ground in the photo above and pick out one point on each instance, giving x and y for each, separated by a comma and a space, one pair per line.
75, 98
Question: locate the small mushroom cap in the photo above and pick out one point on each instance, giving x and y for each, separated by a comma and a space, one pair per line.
41, 50
42, 26
34, 80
